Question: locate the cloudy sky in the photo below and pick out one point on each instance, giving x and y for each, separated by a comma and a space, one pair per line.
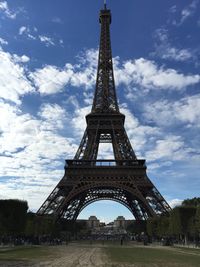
48, 60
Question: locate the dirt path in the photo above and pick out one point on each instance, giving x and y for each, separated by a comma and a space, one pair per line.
77, 257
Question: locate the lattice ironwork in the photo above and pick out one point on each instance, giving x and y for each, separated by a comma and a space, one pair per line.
87, 179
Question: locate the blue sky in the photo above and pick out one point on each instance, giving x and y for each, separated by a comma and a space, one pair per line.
48, 60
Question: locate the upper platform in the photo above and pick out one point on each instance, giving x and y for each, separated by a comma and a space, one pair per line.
139, 163
105, 14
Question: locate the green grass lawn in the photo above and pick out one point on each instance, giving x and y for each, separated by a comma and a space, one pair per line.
141, 256
190, 250
24, 253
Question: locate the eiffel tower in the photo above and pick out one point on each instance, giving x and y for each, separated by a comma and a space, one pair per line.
87, 179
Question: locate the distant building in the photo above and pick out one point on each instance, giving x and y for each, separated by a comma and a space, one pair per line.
93, 222
120, 222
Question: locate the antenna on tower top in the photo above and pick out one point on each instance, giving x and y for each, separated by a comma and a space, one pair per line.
104, 4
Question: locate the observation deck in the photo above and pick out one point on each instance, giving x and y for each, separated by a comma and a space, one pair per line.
105, 163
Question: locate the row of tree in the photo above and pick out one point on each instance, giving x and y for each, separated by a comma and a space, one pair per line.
183, 223
16, 222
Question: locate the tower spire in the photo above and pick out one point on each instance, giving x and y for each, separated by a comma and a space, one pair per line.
105, 100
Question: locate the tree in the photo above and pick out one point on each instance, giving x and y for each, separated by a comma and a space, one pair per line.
152, 226
163, 226
44, 225
191, 202
13, 216
197, 221
137, 227
30, 224
180, 221
158, 226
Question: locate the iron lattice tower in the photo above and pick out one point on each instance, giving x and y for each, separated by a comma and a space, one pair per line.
87, 179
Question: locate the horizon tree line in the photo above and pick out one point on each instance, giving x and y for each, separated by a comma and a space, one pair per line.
183, 222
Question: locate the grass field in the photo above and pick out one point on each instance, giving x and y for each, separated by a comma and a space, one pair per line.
25, 253
101, 256
165, 257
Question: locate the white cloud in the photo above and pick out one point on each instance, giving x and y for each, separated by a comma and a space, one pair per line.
105, 151
72, 100
31, 37
47, 40
166, 51
3, 41
89, 57
22, 30
15, 126
175, 202
49, 145
57, 20
165, 113
61, 42
189, 11
198, 23
139, 134
32, 34
78, 121
85, 70
13, 81
54, 116
169, 148
22, 59
88, 97
176, 54
156, 165
5, 9
173, 9
147, 74
52, 112
32, 151
51, 79
34, 193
